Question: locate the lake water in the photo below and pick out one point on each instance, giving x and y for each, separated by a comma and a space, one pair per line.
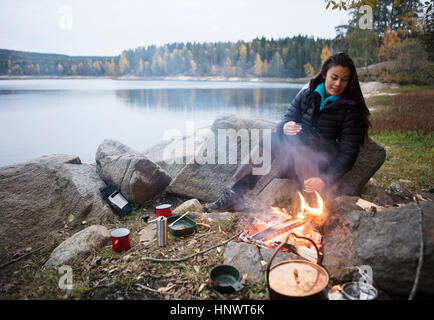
73, 116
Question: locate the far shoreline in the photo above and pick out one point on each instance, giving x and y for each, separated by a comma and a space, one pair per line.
159, 78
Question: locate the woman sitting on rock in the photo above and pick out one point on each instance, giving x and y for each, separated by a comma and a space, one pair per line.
319, 138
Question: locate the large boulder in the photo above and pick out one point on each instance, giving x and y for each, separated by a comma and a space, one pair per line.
176, 151
246, 258
206, 178
387, 241
371, 157
39, 197
78, 246
134, 175
207, 174
251, 260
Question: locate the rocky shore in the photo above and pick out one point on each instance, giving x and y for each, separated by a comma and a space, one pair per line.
57, 197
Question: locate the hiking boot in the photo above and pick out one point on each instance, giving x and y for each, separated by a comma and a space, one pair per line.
229, 200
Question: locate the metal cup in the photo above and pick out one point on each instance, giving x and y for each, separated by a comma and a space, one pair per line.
162, 231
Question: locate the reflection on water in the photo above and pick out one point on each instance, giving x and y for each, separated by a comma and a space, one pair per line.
41, 117
264, 103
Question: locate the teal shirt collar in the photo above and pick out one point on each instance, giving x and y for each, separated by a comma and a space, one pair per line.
321, 90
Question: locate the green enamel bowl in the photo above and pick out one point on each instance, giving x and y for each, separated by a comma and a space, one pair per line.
182, 227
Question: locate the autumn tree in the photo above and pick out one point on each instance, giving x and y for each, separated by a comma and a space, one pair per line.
227, 67
325, 53
59, 69
123, 63
409, 25
193, 67
389, 48
258, 65
308, 69
109, 67
9, 65
141, 68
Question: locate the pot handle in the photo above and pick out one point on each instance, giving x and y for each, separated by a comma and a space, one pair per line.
318, 256
237, 286
274, 255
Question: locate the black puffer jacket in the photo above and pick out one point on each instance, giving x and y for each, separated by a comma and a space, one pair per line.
340, 124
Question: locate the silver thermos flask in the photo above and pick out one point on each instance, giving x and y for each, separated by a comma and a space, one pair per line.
162, 231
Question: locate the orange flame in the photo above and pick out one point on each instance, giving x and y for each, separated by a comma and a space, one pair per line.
306, 209
281, 213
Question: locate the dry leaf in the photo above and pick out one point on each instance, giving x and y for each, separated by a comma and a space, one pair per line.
196, 268
244, 279
420, 197
192, 242
202, 286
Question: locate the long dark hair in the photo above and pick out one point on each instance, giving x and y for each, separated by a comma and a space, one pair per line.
352, 90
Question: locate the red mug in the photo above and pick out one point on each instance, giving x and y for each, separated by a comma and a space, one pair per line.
164, 210
120, 239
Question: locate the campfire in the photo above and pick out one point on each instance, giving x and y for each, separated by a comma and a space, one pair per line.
295, 229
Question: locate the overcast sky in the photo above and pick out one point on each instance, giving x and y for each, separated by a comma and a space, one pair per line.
106, 27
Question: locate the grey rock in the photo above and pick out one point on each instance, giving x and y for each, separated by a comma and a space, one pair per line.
204, 176
399, 193
135, 176
245, 257
370, 159
192, 205
173, 154
148, 233
281, 256
207, 174
248, 258
377, 194
78, 246
39, 197
276, 192
219, 216
343, 204
387, 241
427, 194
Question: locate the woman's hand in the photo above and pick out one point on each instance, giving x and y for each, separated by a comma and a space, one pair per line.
291, 128
313, 184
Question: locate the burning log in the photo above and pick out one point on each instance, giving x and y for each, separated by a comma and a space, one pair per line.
308, 254
278, 229
304, 240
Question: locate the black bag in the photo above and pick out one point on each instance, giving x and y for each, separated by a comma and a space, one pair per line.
116, 200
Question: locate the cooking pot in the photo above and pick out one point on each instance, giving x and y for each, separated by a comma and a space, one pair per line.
296, 279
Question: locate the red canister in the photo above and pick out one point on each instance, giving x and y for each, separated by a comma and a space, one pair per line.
164, 210
120, 239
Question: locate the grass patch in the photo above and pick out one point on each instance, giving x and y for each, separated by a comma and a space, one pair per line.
411, 109
404, 124
408, 156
